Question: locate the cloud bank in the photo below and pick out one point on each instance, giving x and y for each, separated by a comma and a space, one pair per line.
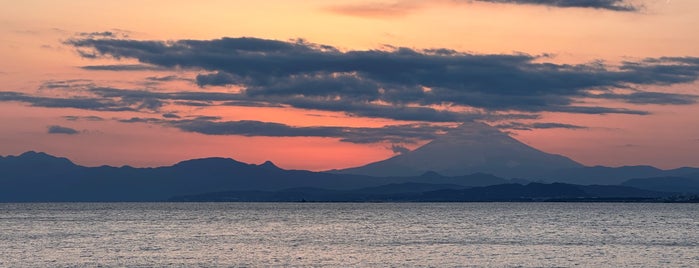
379, 82
429, 86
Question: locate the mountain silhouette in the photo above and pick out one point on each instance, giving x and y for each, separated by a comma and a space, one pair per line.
39, 177
439, 193
471, 148
687, 184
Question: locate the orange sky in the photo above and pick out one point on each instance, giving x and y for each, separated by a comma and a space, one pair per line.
33, 53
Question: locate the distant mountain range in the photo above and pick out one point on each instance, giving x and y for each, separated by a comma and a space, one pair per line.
412, 192
468, 156
39, 177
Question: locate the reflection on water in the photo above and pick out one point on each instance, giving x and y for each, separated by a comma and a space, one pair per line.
343, 234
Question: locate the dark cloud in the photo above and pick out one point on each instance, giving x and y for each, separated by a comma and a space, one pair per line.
194, 103
652, 98
376, 83
538, 125
408, 133
122, 67
251, 104
405, 7
170, 115
66, 84
399, 149
167, 78
55, 129
116, 33
95, 104
614, 5
365, 109
85, 118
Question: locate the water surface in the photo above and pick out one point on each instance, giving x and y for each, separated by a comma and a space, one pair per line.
348, 234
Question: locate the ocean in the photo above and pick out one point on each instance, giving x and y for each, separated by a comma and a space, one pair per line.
349, 235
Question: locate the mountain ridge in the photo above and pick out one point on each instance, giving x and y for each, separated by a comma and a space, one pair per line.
40, 177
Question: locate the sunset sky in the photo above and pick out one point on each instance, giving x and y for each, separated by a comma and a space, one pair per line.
334, 84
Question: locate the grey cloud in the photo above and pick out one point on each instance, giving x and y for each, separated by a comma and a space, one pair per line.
141, 120
170, 115
652, 98
251, 104
167, 78
115, 33
408, 133
310, 74
96, 104
122, 67
614, 5
206, 118
194, 103
353, 108
97, 34
66, 84
537, 125
399, 149
55, 129
405, 7
85, 118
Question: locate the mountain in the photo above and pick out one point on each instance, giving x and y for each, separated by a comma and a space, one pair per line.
610, 175
689, 184
39, 177
471, 148
435, 193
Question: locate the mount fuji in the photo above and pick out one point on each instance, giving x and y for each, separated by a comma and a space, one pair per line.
470, 148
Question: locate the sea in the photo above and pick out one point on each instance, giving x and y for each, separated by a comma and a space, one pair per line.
349, 235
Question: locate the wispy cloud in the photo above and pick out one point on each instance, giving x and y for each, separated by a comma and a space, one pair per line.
122, 67
537, 125
395, 9
83, 118
614, 5
55, 129
408, 133
379, 9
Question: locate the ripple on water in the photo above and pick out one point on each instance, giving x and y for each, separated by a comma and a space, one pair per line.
345, 234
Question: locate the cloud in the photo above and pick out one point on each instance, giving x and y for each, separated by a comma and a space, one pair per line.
660, 98
405, 7
614, 5
167, 78
55, 129
537, 125
66, 84
122, 67
170, 115
84, 103
399, 83
399, 8
115, 33
408, 133
85, 118
399, 149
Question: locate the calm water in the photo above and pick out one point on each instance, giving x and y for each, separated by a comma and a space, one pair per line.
375, 235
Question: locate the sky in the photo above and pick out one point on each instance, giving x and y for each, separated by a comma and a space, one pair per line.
333, 84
